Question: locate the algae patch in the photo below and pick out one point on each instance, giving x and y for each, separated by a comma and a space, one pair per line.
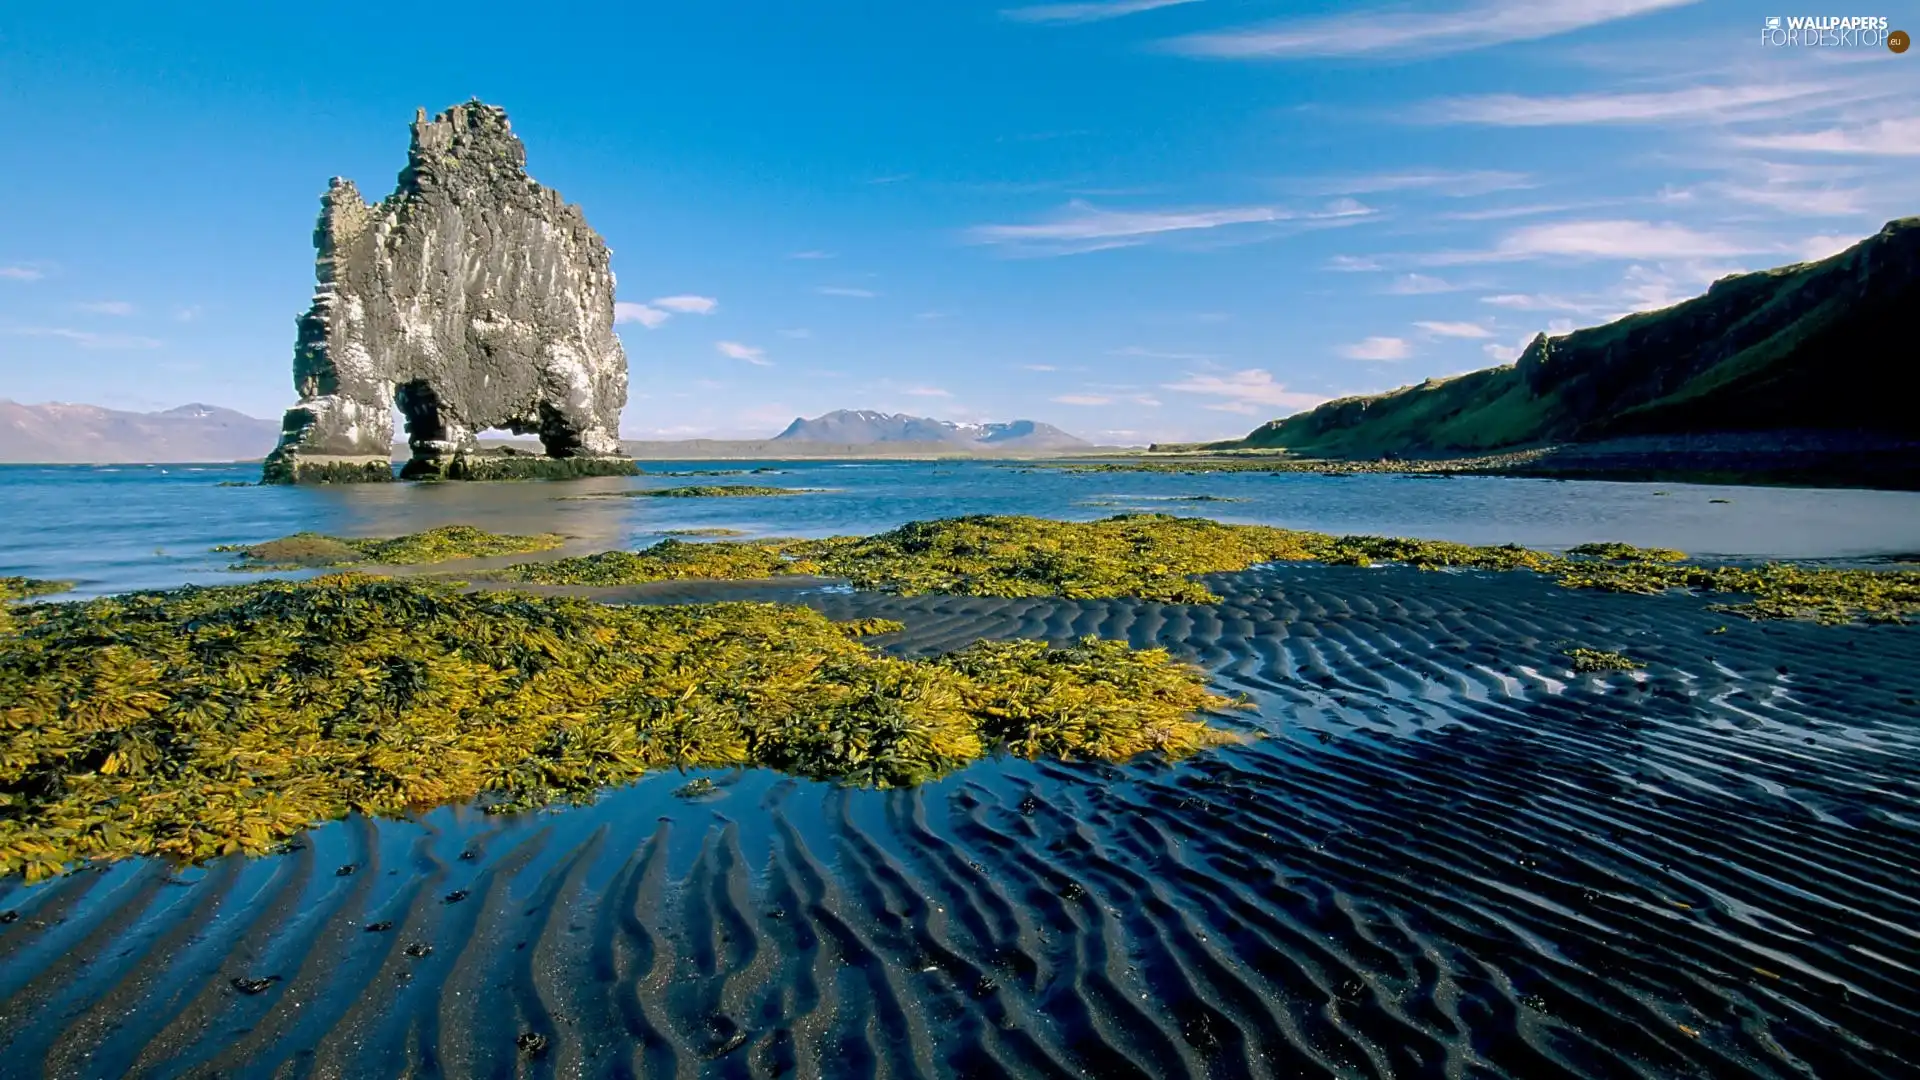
445, 543
206, 721
1591, 660
1156, 556
20, 588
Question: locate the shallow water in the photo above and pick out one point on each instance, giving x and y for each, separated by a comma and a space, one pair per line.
125, 527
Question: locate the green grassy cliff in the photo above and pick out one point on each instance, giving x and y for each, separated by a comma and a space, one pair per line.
1824, 346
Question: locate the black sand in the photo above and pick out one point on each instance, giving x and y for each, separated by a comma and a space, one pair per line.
1450, 857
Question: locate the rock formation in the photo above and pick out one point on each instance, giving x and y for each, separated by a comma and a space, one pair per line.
471, 298
1807, 348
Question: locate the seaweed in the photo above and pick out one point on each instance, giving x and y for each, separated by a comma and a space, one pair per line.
447, 542
215, 720
1157, 556
20, 588
1591, 660
870, 627
702, 532
1619, 552
668, 560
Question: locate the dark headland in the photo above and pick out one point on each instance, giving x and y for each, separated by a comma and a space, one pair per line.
1803, 374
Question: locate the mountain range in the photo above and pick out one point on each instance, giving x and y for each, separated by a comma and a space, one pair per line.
58, 432
1817, 347
860, 427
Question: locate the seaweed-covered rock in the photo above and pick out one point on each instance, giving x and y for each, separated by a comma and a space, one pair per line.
472, 297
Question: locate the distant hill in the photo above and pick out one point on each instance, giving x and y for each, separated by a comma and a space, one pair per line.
1828, 346
61, 433
851, 427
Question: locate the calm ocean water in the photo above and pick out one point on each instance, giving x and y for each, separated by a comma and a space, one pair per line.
114, 528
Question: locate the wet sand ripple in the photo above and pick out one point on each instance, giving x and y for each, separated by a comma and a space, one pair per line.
1445, 855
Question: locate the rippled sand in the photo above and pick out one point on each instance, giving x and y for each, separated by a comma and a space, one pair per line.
1448, 857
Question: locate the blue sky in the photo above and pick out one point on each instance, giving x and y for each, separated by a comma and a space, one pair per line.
1137, 219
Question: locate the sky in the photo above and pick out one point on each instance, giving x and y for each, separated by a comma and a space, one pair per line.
1136, 219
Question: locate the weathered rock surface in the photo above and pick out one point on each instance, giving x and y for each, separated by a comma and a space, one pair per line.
471, 298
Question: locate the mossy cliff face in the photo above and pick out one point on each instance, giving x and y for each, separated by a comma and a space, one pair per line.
1797, 348
472, 298
206, 721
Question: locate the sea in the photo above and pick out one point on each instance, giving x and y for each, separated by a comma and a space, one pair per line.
114, 528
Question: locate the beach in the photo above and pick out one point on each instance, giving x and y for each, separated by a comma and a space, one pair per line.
1441, 853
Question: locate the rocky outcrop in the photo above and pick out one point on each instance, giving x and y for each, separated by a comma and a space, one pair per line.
471, 298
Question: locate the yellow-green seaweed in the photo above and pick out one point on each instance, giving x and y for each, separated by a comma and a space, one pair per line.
20, 588
207, 721
441, 544
1591, 660
1155, 556
1627, 552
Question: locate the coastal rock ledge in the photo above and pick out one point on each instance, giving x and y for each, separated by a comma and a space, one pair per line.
471, 298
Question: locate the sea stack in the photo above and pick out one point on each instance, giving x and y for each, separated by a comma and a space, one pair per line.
472, 298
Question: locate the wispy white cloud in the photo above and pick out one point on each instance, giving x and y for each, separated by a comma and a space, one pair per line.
1082, 399
838, 290
1886, 138
20, 273
1354, 264
1161, 354
86, 339
1534, 302
1082, 228
749, 353
117, 308
1619, 240
649, 317
1377, 348
1507, 354
1455, 329
1039, 367
797, 332
1244, 391
1815, 248
926, 391
1608, 239
688, 305
1420, 285
1452, 182
656, 312
812, 255
1400, 32
1085, 223
1092, 11
1709, 103
1518, 210
187, 314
